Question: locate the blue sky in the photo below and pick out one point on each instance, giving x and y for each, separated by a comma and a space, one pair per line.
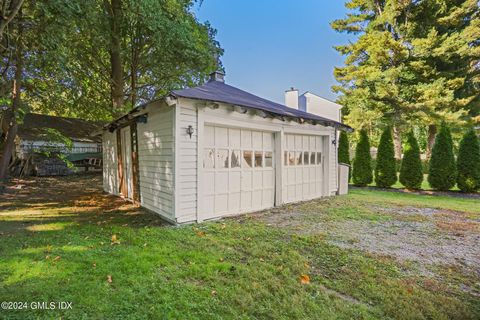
272, 45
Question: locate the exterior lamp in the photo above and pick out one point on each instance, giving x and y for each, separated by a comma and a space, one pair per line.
190, 131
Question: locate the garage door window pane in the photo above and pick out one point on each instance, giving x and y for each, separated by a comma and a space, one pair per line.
268, 159
258, 159
306, 158
319, 157
298, 158
312, 157
247, 159
235, 159
209, 159
222, 158
291, 158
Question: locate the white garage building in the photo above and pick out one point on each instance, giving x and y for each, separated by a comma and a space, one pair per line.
215, 150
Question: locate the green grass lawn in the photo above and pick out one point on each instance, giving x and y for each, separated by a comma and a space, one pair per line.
232, 269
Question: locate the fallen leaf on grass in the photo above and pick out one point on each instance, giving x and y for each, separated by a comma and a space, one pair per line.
214, 293
115, 240
201, 233
94, 264
109, 278
56, 258
304, 279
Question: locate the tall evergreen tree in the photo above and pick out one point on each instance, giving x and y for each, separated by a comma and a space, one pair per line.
411, 175
385, 170
411, 61
344, 151
468, 163
362, 164
442, 169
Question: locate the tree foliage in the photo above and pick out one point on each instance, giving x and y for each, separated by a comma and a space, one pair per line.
385, 170
362, 164
411, 175
412, 62
96, 59
162, 47
468, 163
442, 169
344, 150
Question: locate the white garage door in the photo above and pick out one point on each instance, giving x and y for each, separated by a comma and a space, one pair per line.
303, 167
239, 173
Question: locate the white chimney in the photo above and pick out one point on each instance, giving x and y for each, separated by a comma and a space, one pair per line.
291, 98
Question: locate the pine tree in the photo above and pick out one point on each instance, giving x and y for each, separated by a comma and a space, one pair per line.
362, 164
468, 163
409, 60
344, 151
411, 175
442, 169
385, 170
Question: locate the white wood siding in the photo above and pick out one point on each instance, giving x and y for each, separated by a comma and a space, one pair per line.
156, 160
186, 159
25, 146
110, 164
333, 164
190, 182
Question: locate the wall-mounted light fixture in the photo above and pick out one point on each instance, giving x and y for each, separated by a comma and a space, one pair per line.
190, 131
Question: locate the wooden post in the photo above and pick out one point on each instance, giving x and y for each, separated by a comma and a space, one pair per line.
135, 168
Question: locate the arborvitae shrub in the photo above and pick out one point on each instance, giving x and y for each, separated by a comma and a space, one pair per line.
344, 151
385, 169
442, 169
362, 164
411, 175
468, 163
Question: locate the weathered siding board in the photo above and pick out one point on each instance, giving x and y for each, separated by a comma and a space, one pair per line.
110, 165
333, 163
156, 160
187, 162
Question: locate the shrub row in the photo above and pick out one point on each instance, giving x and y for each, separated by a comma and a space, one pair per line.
444, 171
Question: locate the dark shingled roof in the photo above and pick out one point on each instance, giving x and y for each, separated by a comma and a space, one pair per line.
34, 125
217, 91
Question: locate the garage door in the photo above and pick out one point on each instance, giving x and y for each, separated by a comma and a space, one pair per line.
239, 173
303, 167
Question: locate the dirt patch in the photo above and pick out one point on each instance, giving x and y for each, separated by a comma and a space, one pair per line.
40, 203
415, 241
456, 194
428, 236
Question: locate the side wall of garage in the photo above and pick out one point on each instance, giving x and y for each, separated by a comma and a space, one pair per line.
156, 146
192, 183
110, 163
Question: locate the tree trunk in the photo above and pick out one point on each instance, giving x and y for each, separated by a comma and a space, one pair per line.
114, 10
432, 133
133, 74
9, 143
8, 14
397, 142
